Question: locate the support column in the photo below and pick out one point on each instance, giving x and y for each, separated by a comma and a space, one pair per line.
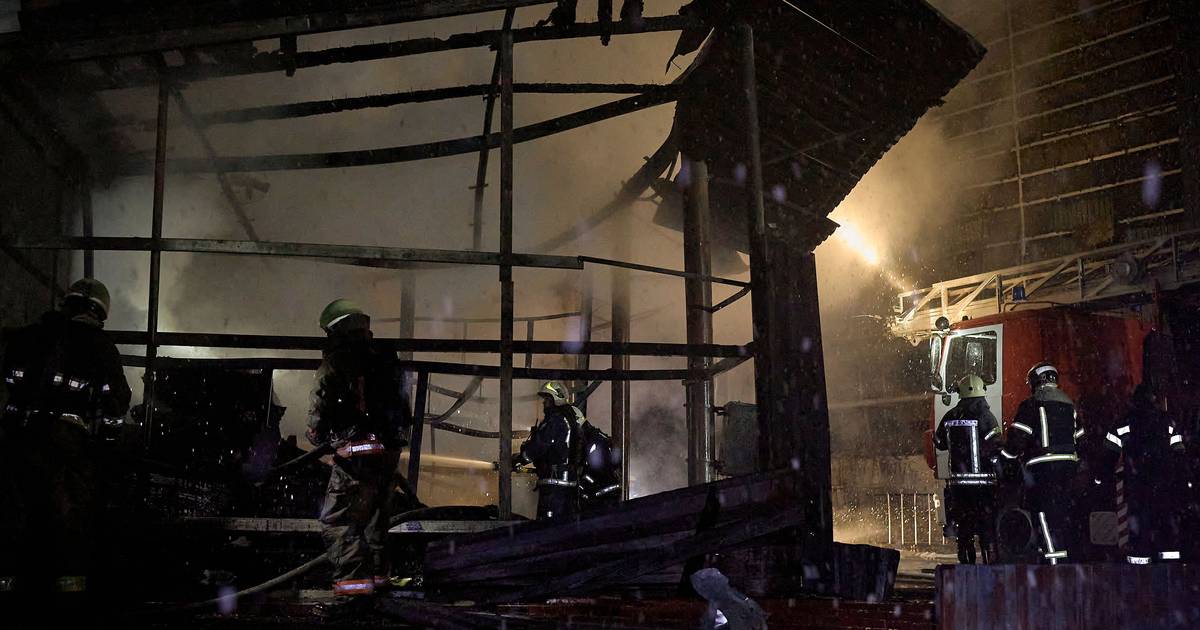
619, 423
84, 191
506, 273
584, 361
414, 450
793, 417
160, 175
481, 172
696, 259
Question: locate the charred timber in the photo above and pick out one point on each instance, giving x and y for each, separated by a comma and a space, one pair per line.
409, 153
244, 28
317, 108
280, 62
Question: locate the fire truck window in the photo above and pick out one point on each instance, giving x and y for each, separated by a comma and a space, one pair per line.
972, 354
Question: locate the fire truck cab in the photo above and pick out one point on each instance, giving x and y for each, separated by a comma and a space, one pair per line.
1098, 355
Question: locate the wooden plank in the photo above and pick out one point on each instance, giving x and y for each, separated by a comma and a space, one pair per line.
610, 573
637, 515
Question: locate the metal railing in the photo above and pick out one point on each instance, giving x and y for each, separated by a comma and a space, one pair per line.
1168, 262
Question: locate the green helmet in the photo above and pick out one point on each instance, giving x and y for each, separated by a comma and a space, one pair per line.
93, 291
971, 386
556, 392
342, 310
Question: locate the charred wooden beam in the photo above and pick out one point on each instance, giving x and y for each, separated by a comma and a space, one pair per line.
333, 106
162, 37
481, 171
210, 154
280, 62
408, 153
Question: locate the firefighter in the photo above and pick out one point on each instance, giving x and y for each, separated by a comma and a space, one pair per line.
63, 380
1042, 436
358, 411
970, 433
600, 473
552, 450
1153, 452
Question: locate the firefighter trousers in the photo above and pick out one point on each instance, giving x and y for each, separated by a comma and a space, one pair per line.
556, 502
355, 518
1048, 496
52, 507
972, 509
1154, 525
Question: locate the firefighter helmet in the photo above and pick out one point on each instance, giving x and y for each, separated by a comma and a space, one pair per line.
1042, 374
93, 291
971, 386
556, 392
344, 315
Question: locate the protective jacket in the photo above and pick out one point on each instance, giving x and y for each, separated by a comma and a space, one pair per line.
63, 367
1043, 436
357, 406
1153, 462
970, 433
1045, 429
552, 445
356, 401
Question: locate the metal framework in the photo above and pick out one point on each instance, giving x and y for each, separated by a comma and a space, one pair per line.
703, 363
1096, 276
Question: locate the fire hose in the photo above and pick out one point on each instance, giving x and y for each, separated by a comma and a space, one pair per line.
486, 512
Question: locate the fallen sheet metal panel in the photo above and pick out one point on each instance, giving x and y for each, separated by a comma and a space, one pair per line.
1032, 597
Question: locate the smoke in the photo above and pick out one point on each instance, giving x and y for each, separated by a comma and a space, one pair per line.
888, 219
559, 182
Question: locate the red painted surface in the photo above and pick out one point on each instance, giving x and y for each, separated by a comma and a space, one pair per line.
1099, 359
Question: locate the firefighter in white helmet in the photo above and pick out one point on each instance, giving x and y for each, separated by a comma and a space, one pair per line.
552, 450
970, 433
1042, 436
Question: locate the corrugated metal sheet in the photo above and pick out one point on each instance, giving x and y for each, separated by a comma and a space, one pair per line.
838, 84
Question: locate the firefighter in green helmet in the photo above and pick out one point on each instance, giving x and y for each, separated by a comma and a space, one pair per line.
62, 381
359, 411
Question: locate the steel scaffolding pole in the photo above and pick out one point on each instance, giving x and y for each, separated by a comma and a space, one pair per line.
698, 291
160, 174
506, 273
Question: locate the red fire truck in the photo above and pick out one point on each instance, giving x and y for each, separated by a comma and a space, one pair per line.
1087, 314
